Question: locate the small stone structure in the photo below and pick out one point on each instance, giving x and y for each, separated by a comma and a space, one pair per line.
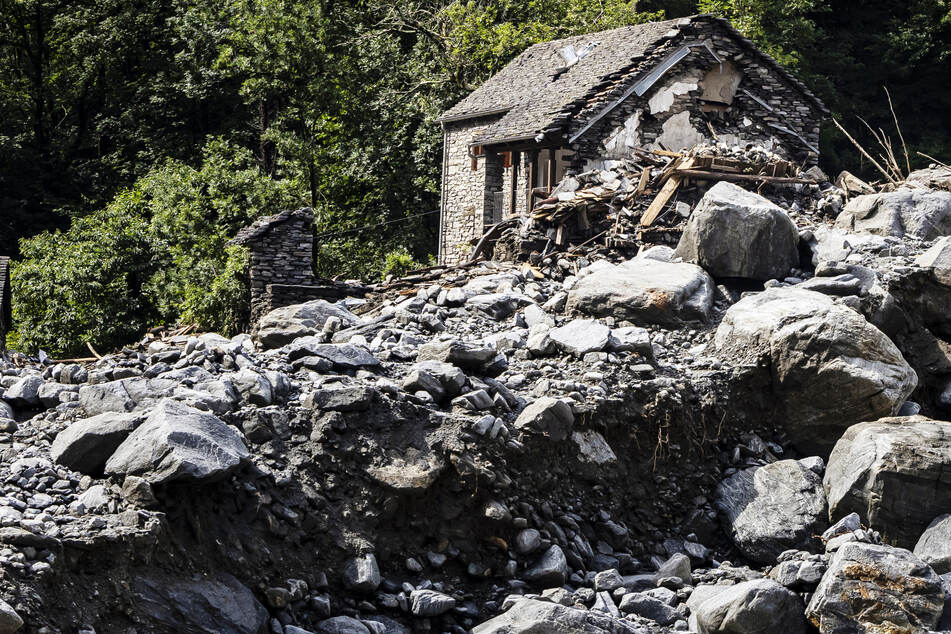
576, 104
281, 271
6, 310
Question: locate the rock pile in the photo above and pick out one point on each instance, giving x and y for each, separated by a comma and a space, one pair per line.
717, 438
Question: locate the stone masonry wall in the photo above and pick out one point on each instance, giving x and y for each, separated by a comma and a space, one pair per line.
282, 253
464, 191
767, 109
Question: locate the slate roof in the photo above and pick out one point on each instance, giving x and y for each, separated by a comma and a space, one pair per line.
262, 226
6, 320
531, 95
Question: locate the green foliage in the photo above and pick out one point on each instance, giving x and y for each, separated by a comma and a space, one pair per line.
156, 254
186, 119
398, 263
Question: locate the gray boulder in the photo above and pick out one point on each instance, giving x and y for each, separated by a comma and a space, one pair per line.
343, 356
532, 616
125, 395
581, 336
649, 608
876, 588
253, 387
828, 367
426, 603
916, 213
362, 574
342, 625
938, 260
736, 233
10, 621
934, 545
283, 325
548, 416
348, 398
218, 604
761, 606
86, 445
772, 508
25, 392
458, 353
644, 291
178, 442
550, 570
895, 473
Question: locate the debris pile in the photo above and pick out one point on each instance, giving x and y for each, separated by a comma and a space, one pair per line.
675, 441
642, 200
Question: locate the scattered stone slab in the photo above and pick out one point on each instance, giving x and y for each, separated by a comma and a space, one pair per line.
25, 392
828, 367
733, 232
343, 356
427, 603
458, 353
178, 442
895, 473
906, 594
773, 508
649, 608
350, 398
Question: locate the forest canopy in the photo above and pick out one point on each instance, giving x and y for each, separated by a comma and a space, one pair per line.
138, 136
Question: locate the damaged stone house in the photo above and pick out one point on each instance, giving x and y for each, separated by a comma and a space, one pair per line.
568, 106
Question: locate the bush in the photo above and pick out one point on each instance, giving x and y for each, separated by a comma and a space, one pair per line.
398, 263
155, 255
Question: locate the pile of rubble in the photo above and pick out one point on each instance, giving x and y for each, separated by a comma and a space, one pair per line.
741, 434
645, 199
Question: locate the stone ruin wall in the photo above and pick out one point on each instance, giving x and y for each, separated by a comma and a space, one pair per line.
281, 267
670, 111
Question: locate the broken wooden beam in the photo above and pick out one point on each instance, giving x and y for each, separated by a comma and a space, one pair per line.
730, 176
661, 199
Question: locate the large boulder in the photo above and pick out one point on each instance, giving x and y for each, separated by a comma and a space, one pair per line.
178, 442
772, 508
876, 588
895, 473
644, 291
533, 616
934, 545
342, 356
86, 445
736, 233
283, 325
761, 606
219, 604
828, 366
938, 260
916, 213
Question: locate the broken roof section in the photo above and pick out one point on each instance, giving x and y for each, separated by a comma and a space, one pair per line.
262, 226
536, 93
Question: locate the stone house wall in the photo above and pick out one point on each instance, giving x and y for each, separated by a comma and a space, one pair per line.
465, 190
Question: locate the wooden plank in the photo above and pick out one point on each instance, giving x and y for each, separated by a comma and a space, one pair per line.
661, 199
729, 176
642, 184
